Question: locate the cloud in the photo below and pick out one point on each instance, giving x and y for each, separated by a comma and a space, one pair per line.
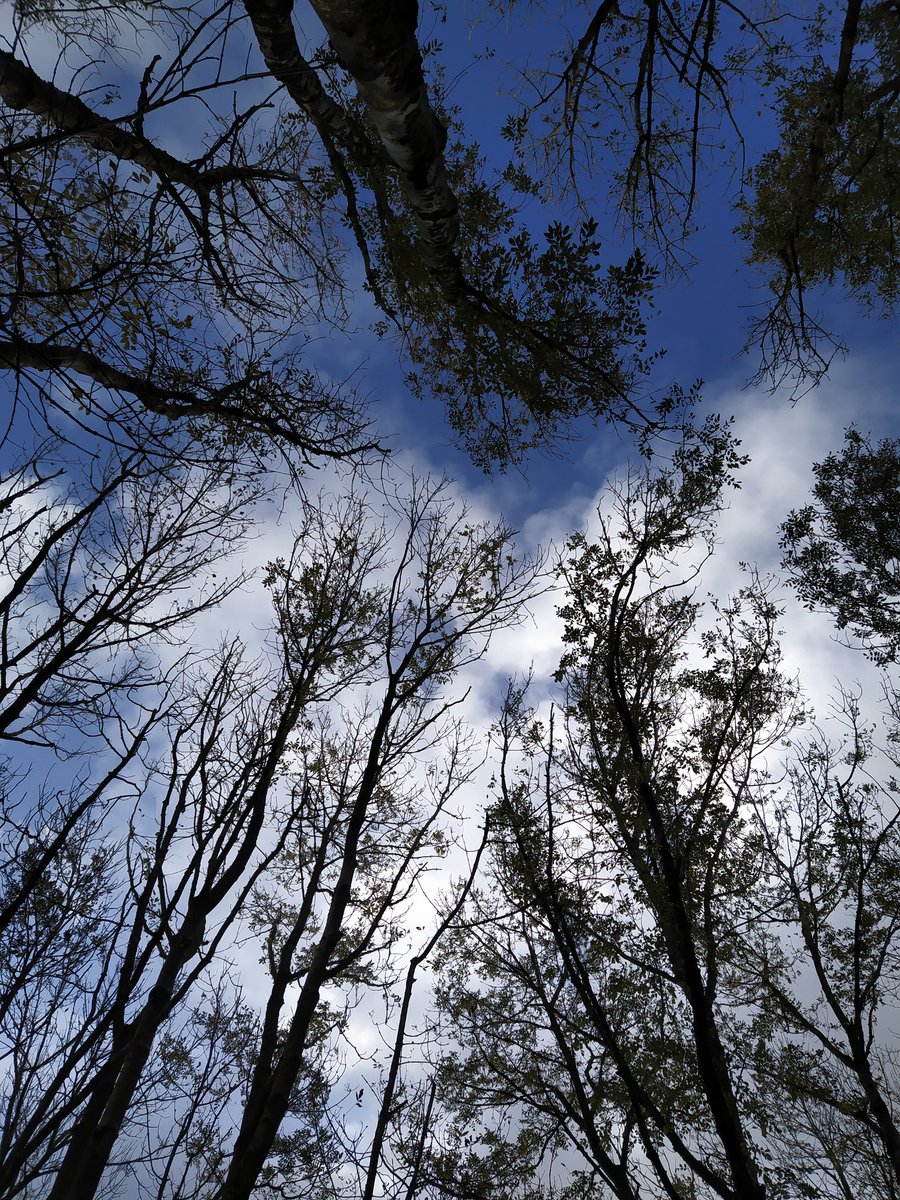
784, 441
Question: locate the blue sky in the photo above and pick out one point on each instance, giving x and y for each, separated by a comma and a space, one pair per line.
700, 317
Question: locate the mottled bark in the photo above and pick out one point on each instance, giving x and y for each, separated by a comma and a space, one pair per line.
339, 131
277, 40
377, 44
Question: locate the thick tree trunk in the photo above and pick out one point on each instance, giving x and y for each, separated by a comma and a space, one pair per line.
881, 1115
377, 44
277, 40
96, 1133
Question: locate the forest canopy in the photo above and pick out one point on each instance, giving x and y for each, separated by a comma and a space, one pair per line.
187, 276
297, 897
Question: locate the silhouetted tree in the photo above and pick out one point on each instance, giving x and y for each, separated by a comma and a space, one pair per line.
680, 972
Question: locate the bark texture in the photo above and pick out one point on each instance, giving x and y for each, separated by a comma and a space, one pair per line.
277, 40
377, 44
22, 89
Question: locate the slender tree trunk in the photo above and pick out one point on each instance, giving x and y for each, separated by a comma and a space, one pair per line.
95, 1134
270, 1092
678, 930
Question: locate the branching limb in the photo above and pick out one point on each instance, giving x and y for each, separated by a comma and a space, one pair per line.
228, 403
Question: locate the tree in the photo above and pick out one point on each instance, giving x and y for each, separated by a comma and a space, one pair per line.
642, 100
453, 583
674, 977
105, 566
99, 570
630, 991
252, 224
821, 959
825, 199
123, 255
219, 799
842, 552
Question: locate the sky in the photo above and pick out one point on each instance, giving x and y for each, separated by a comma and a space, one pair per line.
700, 317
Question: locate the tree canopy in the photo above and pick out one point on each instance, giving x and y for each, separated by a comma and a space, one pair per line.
680, 973
842, 550
187, 276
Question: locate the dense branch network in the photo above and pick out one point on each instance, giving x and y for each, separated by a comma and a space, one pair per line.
662, 967
512, 355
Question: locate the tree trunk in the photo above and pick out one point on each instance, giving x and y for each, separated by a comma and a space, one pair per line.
377, 45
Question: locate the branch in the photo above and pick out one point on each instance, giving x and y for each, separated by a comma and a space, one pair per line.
390, 82
23, 90
227, 403
377, 45
336, 127
830, 112
274, 29
807, 331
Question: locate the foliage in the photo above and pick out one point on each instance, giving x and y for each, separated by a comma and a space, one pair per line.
192, 284
842, 551
183, 801
678, 976
825, 198
669, 964
636, 105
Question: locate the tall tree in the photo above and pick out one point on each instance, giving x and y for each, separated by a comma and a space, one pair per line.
638, 102
453, 583
121, 254
220, 799
679, 973
105, 566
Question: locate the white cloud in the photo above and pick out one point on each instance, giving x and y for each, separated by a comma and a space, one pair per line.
784, 441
